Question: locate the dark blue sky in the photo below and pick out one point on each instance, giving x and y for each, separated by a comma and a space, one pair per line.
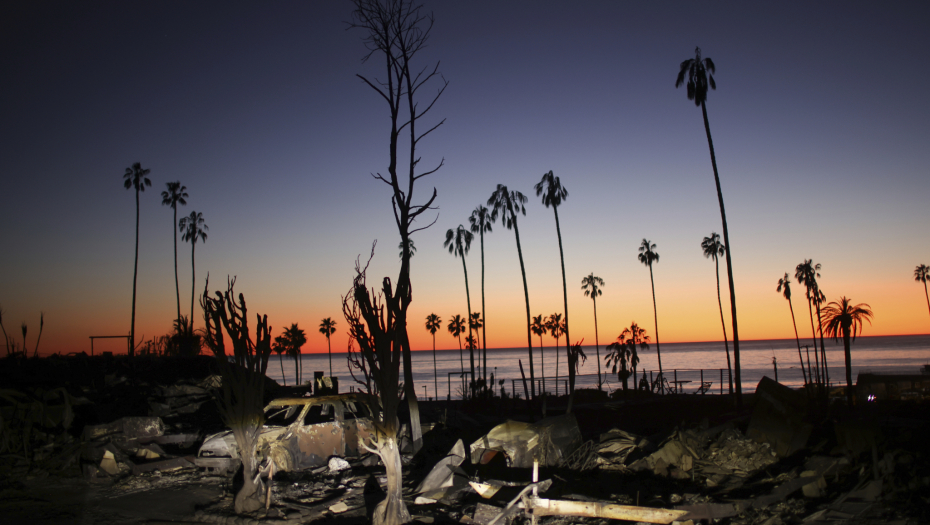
819, 122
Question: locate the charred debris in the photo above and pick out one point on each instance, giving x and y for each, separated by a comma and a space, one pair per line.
141, 426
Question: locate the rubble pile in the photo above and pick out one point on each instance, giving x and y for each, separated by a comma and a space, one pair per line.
132, 445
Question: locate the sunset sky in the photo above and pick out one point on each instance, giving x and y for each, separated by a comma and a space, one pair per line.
820, 120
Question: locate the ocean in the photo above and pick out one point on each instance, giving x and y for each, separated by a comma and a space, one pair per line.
682, 361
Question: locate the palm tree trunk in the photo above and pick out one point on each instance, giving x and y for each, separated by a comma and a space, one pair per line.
927, 296
471, 349
823, 350
281, 362
798, 339
597, 345
435, 371
542, 364
723, 323
193, 279
655, 315
726, 241
461, 356
135, 274
177, 289
484, 312
526, 295
814, 339
558, 232
849, 383
329, 345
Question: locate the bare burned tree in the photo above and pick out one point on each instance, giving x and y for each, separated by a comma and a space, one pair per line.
241, 400
396, 31
381, 347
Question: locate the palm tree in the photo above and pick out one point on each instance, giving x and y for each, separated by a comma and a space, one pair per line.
713, 248
844, 318
279, 349
592, 287
328, 328
648, 255
459, 242
697, 82
480, 220
617, 354
475, 322
807, 273
556, 326
193, 228
135, 177
539, 327
433, 322
785, 284
400, 246
507, 204
456, 327
922, 275
292, 340
174, 195
634, 335
553, 193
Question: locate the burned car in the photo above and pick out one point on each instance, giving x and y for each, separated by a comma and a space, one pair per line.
299, 433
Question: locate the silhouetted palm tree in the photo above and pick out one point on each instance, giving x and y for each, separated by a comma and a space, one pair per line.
807, 273
648, 255
456, 327
279, 349
623, 352
458, 242
556, 326
695, 71
844, 318
400, 246
174, 195
507, 204
433, 323
922, 275
293, 339
553, 193
135, 177
480, 220
193, 228
592, 287
785, 284
617, 354
475, 323
328, 328
539, 327
713, 249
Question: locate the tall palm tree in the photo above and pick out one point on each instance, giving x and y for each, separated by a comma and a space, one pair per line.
648, 255
328, 328
556, 327
784, 286
458, 242
922, 275
174, 195
456, 327
475, 323
807, 273
592, 287
433, 323
844, 318
293, 339
480, 221
695, 69
507, 204
194, 229
135, 177
539, 327
713, 249
553, 193
279, 349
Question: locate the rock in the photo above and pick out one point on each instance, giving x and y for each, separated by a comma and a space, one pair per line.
337, 464
338, 508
